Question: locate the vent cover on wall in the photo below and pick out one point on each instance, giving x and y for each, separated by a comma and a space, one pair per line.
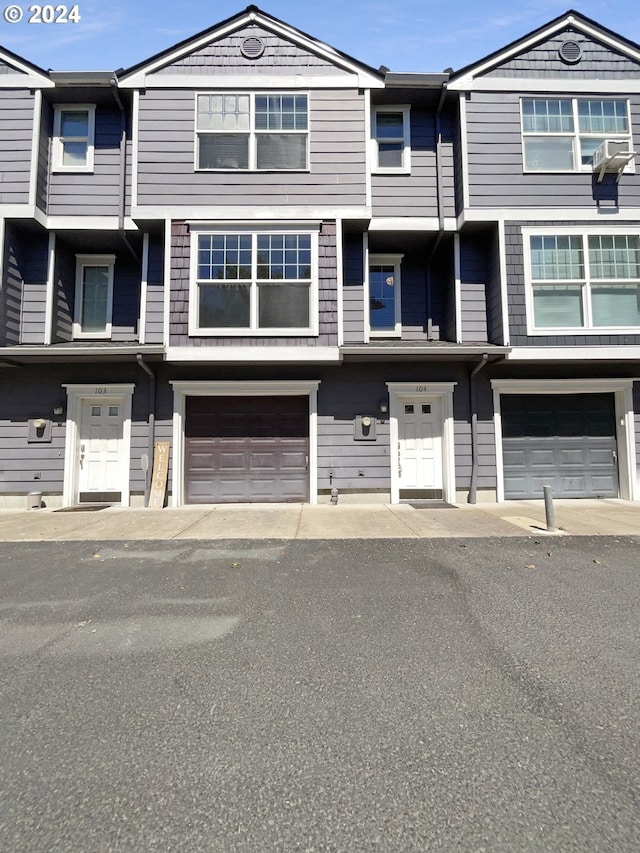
570, 51
252, 47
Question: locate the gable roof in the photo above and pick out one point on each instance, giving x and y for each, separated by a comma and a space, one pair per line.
465, 76
27, 75
136, 74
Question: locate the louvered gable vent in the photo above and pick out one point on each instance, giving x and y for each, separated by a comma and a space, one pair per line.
252, 47
570, 51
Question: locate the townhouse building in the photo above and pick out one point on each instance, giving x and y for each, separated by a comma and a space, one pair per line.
316, 280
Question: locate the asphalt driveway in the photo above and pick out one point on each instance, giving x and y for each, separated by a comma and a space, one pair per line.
315, 695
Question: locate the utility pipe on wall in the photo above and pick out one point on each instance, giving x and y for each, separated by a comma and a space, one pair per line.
473, 398
152, 425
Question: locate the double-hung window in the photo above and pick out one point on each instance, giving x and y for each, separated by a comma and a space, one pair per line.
561, 134
94, 296
583, 282
250, 281
250, 132
73, 138
391, 137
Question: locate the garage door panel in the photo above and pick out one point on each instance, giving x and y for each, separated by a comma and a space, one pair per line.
246, 449
567, 443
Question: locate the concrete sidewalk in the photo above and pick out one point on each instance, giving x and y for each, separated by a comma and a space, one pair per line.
301, 521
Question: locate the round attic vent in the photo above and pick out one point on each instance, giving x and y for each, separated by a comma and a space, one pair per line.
570, 51
252, 47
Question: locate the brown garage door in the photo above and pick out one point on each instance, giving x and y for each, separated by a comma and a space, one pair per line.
242, 449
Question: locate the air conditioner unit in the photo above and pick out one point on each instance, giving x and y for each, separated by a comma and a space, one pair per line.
612, 155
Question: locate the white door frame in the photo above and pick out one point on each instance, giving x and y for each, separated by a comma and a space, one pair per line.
182, 390
443, 393
76, 396
622, 390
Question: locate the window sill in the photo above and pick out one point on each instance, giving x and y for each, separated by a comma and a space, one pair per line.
252, 333
305, 171
391, 172
600, 330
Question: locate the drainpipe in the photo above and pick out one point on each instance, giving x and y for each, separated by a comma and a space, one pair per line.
152, 425
473, 396
440, 205
123, 168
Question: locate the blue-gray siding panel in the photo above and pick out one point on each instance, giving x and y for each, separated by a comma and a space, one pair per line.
598, 62
474, 272
327, 295
16, 135
154, 331
166, 157
353, 288
224, 57
517, 301
64, 292
46, 131
11, 291
496, 168
494, 293
96, 193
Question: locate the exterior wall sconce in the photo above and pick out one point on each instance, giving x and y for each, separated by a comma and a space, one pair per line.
383, 407
58, 411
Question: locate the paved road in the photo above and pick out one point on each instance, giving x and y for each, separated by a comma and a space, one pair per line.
400, 695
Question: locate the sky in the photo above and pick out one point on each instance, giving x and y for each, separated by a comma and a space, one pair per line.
404, 35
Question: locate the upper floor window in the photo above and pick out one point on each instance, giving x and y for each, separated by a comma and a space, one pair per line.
254, 281
391, 134
73, 138
384, 295
586, 282
252, 131
561, 134
94, 296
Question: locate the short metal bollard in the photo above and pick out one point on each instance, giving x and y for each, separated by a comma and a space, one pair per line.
34, 500
549, 508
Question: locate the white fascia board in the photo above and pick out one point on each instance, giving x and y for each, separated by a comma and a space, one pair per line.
470, 80
50, 353
411, 223
549, 214
140, 78
25, 81
579, 354
560, 386
88, 223
255, 213
423, 352
524, 85
253, 82
248, 354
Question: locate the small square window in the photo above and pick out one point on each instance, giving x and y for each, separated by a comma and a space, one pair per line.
96, 411
426, 408
114, 411
408, 409
391, 137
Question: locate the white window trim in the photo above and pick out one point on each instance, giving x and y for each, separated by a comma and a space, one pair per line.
58, 165
405, 169
83, 261
182, 390
396, 261
76, 395
533, 330
622, 389
443, 392
252, 132
575, 134
254, 330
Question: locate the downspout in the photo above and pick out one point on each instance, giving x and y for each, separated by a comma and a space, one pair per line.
440, 207
123, 168
473, 398
152, 425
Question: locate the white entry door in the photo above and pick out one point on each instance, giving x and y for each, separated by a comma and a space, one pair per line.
100, 446
420, 427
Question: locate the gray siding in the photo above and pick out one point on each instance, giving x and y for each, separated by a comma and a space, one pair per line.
636, 409
599, 62
16, 134
224, 57
126, 298
11, 293
96, 193
166, 158
495, 163
46, 131
155, 293
27, 285
494, 293
416, 194
487, 475
327, 294
64, 292
353, 289
517, 302
5, 68
474, 263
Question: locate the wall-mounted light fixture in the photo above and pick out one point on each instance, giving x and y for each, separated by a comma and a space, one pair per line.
383, 407
58, 410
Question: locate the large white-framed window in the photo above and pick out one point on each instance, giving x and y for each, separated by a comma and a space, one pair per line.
94, 296
391, 134
385, 318
561, 134
585, 282
246, 280
73, 137
252, 131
